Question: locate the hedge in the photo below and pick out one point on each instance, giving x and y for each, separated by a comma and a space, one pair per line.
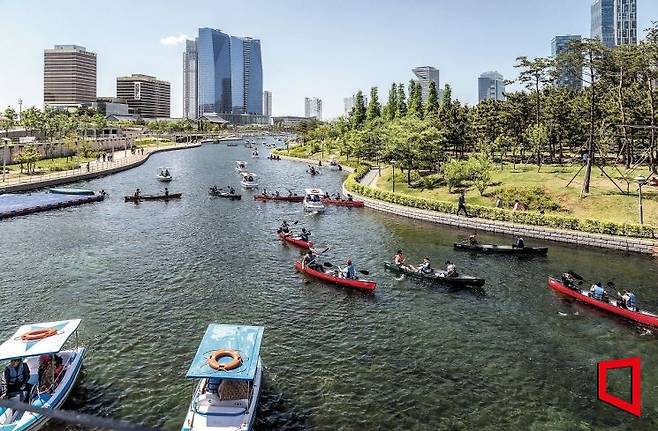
489, 213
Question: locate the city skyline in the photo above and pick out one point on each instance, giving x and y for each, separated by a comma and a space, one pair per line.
156, 50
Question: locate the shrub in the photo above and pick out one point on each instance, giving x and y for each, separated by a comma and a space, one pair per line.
534, 198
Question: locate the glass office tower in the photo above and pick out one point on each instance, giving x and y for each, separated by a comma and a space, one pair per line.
214, 71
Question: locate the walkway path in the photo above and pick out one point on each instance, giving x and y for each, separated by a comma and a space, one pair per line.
123, 160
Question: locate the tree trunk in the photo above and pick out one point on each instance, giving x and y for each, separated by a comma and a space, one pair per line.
620, 100
409, 177
652, 144
590, 143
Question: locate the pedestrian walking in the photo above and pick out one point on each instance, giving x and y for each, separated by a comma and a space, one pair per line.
462, 204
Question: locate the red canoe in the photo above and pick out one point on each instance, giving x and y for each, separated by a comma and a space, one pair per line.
342, 202
641, 317
296, 241
368, 286
293, 198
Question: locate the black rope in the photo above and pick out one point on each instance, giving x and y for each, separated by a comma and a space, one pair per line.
76, 418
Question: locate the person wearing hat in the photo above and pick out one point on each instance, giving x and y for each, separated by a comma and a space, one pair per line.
597, 291
16, 378
350, 270
451, 269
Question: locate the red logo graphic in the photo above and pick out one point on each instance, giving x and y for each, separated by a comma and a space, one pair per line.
635, 406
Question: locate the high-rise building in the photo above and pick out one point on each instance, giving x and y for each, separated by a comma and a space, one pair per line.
614, 22
227, 73
190, 101
349, 102
267, 103
146, 96
69, 77
425, 75
313, 108
491, 86
567, 78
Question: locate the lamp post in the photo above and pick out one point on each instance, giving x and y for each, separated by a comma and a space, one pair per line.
640, 180
393, 162
4, 159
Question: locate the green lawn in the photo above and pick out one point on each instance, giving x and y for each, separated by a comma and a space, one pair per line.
605, 201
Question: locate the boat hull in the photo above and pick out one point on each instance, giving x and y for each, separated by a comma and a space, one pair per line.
343, 203
641, 317
279, 198
249, 185
501, 249
225, 195
164, 179
313, 207
82, 192
153, 197
197, 421
304, 245
461, 281
365, 285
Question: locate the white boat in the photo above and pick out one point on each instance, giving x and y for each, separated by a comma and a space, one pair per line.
334, 166
164, 175
249, 180
313, 200
229, 369
41, 344
242, 166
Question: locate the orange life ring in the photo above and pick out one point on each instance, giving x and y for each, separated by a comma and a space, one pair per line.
213, 360
38, 334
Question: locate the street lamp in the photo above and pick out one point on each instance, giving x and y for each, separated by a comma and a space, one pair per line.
393, 162
640, 180
4, 159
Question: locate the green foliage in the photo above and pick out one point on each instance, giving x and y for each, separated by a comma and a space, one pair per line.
415, 108
455, 172
533, 198
480, 172
391, 109
432, 102
28, 157
402, 102
374, 109
359, 111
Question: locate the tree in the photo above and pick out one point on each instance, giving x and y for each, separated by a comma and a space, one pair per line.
402, 104
391, 108
28, 156
537, 136
374, 108
9, 119
481, 172
359, 110
415, 108
446, 103
534, 75
432, 102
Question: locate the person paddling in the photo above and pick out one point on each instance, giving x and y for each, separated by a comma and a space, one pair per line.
284, 228
473, 239
451, 269
310, 261
629, 300
426, 266
138, 194
597, 291
304, 235
519, 243
399, 259
349, 271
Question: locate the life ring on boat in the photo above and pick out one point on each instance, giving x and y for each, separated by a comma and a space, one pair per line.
38, 334
213, 360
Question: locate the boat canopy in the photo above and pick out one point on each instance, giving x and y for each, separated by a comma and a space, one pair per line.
15, 347
314, 192
241, 163
245, 340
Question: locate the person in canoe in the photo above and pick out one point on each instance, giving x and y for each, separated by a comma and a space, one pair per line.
327, 195
349, 271
166, 173
305, 234
451, 269
276, 193
310, 260
284, 228
350, 198
214, 189
473, 239
400, 259
569, 281
628, 299
426, 266
597, 291
264, 191
166, 192
519, 243
138, 194
231, 190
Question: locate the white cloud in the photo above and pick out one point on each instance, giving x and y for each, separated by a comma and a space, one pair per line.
174, 40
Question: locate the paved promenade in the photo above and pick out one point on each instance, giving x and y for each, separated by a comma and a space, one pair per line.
123, 160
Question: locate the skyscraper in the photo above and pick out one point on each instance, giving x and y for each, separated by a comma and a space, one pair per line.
491, 86
146, 96
69, 76
567, 78
267, 103
348, 103
313, 108
614, 22
425, 75
190, 102
229, 75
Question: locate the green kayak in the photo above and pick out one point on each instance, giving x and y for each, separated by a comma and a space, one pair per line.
459, 281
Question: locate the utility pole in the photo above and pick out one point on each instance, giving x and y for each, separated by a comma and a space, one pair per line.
20, 110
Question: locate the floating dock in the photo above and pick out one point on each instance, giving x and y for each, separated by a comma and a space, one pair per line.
14, 205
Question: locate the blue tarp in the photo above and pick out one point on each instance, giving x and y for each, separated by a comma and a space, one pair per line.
245, 340
18, 202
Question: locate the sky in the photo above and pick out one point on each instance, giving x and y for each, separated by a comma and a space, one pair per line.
326, 49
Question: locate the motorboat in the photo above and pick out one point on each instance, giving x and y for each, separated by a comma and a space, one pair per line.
40, 346
229, 369
164, 175
249, 180
242, 166
313, 200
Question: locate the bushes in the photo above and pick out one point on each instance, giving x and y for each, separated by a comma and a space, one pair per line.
489, 213
534, 198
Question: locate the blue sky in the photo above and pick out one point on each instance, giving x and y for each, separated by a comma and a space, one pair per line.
326, 49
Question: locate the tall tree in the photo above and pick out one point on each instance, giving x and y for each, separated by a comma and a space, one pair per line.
432, 102
391, 107
359, 110
374, 108
415, 108
9, 120
402, 101
534, 75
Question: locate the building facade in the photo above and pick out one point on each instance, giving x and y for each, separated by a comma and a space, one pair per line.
313, 108
614, 22
267, 104
146, 96
567, 78
348, 104
69, 77
223, 74
111, 106
491, 86
190, 101
426, 75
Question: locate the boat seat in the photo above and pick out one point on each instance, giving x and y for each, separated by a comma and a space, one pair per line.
209, 402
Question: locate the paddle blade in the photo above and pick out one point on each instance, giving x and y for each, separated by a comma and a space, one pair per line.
364, 272
328, 265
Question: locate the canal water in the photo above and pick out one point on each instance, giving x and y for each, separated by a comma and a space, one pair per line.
147, 279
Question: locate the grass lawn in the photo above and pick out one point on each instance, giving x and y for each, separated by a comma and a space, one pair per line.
605, 201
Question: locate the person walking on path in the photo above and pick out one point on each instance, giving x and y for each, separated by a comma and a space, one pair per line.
462, 204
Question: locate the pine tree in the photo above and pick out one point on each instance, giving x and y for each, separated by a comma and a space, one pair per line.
415, 100
402, 104
359, 111
432, 102
390, 110
374, 109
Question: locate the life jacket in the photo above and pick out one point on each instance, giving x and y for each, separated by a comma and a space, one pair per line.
16, 377
630, 303
598, 292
